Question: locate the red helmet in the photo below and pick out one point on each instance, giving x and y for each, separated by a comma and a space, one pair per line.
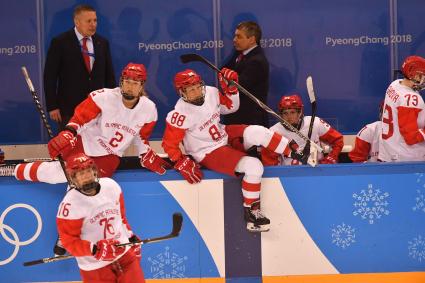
291, 102
79, 162
133, 71
186, 78
412, 66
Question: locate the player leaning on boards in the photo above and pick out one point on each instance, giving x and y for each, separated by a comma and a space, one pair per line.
291, 108
403, 117
104, 125
195, 122
91, 221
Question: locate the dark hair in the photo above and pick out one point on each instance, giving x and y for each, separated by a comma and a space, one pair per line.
252, 29
83, 8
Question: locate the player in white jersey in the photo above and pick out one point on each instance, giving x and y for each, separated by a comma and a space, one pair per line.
195, 122
366, 145
103, 126
91, 220
291, 109
403, 118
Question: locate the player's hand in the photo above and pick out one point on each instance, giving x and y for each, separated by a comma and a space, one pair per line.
153, 162
225, 77
296, 154
328, 160
106, 250
189, 169
136, 248
62, 143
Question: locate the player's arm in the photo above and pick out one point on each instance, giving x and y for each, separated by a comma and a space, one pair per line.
360, 152
171, 140
69, 233
334, 139
408, 125
229, 99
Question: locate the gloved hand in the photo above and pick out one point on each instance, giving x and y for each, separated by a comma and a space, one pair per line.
296, 154
62, 143
106, 250
136, 248
189, 169
328, 160
153, 162
224, 77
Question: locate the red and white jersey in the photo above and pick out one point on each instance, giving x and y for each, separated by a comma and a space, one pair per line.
403, 122
198, 127
83, 220
106, 126
366, 146
322, 133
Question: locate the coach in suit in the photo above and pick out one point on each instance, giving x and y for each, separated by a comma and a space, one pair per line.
252, 66
78, 62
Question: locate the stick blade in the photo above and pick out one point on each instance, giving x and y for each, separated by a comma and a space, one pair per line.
190, 57
310, 89
177, 223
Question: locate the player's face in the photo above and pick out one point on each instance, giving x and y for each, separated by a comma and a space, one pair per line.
84, 177
292, 116
193, 92
131, 87
86, 23
241, 41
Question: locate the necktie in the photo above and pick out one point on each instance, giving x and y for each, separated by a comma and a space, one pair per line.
239, 58
86, 56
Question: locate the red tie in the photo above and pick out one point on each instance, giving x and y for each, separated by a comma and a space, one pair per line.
86, 54
239, 58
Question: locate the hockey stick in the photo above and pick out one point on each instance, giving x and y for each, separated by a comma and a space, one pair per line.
177, 226
312, 96
186, 58
43, 117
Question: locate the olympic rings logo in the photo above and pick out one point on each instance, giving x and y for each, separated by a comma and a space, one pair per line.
15, 241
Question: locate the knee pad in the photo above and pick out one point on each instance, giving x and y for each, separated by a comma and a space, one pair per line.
252, 168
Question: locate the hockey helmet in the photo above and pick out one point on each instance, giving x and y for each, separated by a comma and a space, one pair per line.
83, 174
188, 78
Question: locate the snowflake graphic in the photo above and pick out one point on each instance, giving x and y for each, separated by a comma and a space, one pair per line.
420, 198
343, 235
167, 264
416, 248
371, 204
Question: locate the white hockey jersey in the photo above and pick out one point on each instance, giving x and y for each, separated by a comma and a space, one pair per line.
83, 220
403, 122
106, 126
366, 146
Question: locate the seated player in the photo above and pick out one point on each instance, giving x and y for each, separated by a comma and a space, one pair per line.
291, 109
195, 123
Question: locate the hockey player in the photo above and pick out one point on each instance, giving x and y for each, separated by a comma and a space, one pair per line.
403, 118
103, 126
91, 220
366, 145
291, 109
195, 122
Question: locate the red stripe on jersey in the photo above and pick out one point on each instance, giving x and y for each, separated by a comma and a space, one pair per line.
146, 131
20, 171
251, 187
33, 171
360, 152
274, 142
335, 140
171, 140
85, 112
123, 216
70, 232
408, 124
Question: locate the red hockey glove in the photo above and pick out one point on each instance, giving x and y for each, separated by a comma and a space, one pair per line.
189, 169
224, 77
62, 143
106, 250
136, 248
153, 162
295, 154
328, 160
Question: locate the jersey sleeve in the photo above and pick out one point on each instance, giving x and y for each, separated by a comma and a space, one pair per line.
171, 140
228, 103
124, 217
332, 137
86, 111
360, 152
69, 232
408, 125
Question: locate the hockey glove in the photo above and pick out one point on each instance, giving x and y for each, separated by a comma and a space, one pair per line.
136, 248
153, 162
62, 143
225, 77
106, 250
328, 160
189, 169
296, 154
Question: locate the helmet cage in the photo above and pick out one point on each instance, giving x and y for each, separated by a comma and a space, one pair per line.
188, 78
79, 163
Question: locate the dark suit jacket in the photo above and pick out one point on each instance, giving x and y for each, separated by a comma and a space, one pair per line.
253, 71
66, 79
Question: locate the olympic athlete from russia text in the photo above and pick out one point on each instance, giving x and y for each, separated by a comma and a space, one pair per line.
195, 122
